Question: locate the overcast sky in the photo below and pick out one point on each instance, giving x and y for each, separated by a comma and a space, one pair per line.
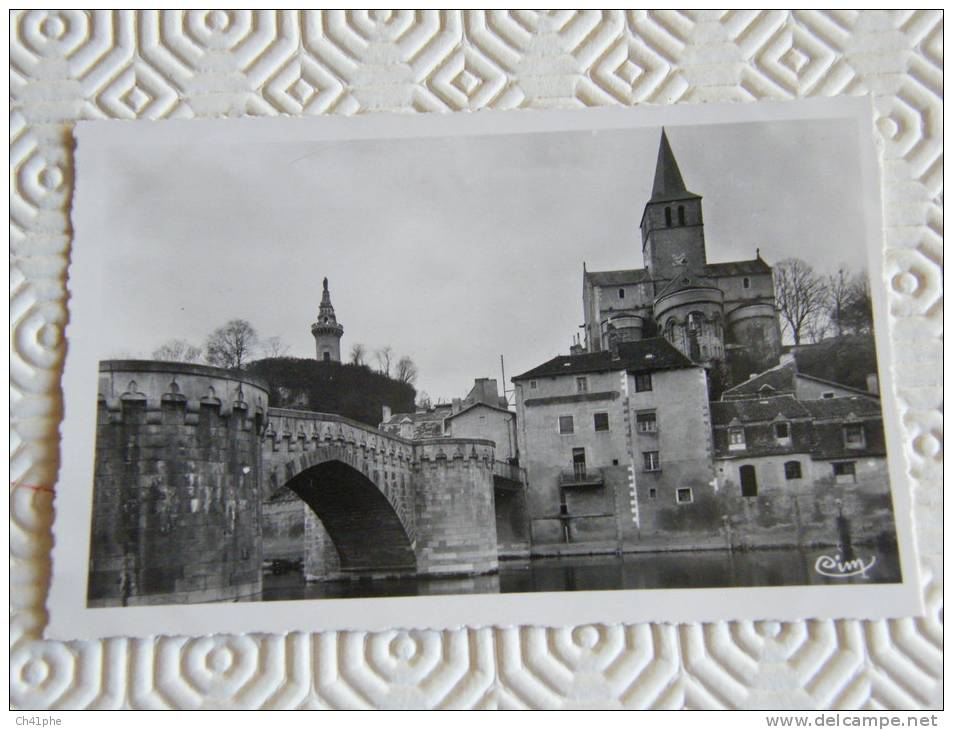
452, 250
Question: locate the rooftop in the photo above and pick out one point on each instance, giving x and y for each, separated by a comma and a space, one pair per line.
644, 355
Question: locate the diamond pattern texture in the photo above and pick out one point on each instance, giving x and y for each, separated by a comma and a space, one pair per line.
72, 65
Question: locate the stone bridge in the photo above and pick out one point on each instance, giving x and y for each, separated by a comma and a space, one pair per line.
188, 455
385, 504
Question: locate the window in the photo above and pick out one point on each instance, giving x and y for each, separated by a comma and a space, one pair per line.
653, 492
643, 382
683, 495
646, 422
650, 461
827, 394
582, 385
565, 424
749, 481
792, 470
782, 431
668, 217
746, 283
615, 462
854, 436
681, 215
532, 385
327, 356
600, 421
695, 321
736, 438
621, 293
844, 472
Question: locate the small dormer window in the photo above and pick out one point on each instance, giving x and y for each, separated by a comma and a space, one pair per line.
827, 394
854, 437
621, 293
746, 283
782, 432
668, 217
681, 215
736, 438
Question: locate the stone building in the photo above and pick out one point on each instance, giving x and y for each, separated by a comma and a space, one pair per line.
610, 442
720, 315
326, 330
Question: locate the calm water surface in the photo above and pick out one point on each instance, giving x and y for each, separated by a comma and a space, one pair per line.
705, 569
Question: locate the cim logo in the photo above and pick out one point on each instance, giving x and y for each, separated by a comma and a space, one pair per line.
837, 567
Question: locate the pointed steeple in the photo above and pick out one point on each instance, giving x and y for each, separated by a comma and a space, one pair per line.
326, 309
668, 183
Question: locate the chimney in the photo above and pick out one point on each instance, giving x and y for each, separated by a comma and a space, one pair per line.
385, 414
873, 383
575, 349
456, 406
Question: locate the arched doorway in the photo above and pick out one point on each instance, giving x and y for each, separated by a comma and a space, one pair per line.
363, 525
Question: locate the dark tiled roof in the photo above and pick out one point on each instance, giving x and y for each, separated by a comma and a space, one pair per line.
735, 268
617, 278
757, 409
780, 379
858, 405
651, 354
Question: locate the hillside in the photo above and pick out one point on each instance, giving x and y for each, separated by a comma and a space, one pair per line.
354, 391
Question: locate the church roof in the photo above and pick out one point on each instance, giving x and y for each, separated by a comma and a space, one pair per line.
622, 277
735, 268
655, 353
668, 183
617, 278
684, 280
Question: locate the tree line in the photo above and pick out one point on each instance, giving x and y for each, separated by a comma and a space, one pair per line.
236, 343
813, 306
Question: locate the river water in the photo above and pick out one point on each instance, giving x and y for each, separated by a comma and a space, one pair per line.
702, 569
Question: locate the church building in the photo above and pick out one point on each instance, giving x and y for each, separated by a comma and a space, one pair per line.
720, 315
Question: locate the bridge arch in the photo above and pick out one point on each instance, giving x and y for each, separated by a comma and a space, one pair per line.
367, 531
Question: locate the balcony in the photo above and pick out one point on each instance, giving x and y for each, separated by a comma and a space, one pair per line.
509, 474
580, 476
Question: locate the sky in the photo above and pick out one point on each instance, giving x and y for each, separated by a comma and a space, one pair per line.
452, 250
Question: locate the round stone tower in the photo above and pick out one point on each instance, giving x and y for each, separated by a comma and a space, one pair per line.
177, 486
690, 314
326, 330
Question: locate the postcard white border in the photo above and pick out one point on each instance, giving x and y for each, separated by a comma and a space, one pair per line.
69, 618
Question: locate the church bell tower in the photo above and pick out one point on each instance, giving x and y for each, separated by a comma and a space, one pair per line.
673, 232
326, 330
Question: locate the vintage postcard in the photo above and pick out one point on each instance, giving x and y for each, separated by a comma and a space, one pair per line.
431, 371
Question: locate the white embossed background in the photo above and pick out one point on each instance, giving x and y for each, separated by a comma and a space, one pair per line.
73, 65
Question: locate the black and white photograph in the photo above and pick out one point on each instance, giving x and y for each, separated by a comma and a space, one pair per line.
518, 367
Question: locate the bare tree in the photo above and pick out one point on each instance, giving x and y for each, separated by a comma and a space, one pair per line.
406, 371
800, 295
859, 312
838, 294
273, 347
177, 351
423, 400
384, 357
358, 354
231, 345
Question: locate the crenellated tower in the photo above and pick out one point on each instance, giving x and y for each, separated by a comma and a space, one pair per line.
326, 330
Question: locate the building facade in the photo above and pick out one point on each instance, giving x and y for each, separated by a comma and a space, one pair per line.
613, 445
719, 315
